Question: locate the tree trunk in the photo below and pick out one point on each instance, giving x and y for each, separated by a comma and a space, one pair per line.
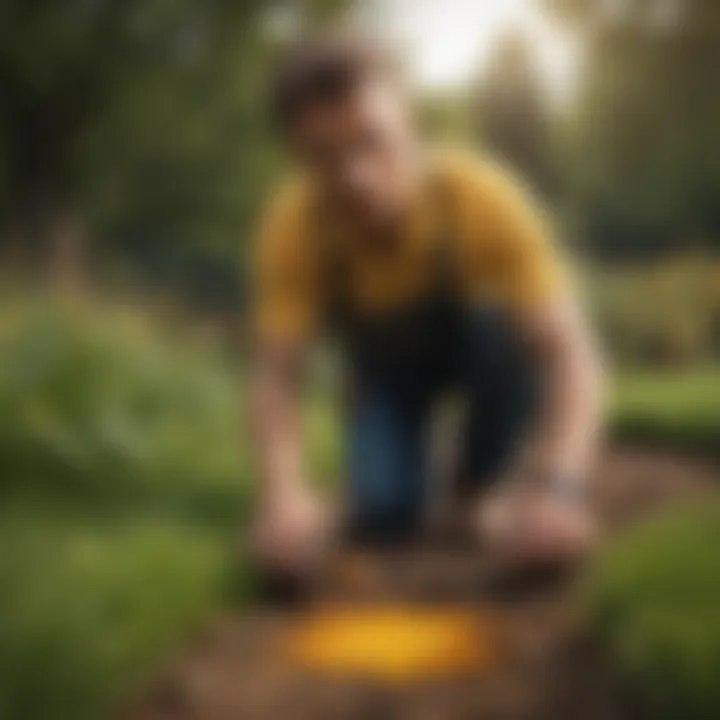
66, 250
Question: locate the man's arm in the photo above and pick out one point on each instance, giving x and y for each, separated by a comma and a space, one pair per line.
289, 521
570, 417
275, 421
283, 318
520, 262
550, 519
284, 314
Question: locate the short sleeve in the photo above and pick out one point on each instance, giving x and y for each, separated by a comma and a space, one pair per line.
514, 257
285, 288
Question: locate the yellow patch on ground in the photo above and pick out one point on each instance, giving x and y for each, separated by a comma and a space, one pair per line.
393, 643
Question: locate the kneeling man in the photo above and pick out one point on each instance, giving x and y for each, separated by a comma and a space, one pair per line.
436, 274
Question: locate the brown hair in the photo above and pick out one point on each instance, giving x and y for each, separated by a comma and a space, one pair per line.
323, 69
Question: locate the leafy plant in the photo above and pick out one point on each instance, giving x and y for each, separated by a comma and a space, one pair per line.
655, 599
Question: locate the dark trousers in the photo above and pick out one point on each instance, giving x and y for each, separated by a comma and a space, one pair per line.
482, 361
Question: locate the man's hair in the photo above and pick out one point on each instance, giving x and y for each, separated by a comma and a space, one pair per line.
323, 69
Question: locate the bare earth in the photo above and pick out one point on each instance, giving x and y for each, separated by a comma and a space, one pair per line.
546, 666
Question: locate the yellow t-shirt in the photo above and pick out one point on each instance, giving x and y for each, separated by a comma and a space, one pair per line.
502, 250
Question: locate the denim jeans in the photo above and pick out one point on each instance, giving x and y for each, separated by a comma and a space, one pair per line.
486, 364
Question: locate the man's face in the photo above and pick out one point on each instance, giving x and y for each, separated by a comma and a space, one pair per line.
362, 148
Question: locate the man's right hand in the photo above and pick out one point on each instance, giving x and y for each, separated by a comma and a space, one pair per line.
290, 531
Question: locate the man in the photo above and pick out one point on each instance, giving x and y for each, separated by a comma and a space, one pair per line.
436, 274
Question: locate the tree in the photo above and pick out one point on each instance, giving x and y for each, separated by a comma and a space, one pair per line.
646, 159
139, 120
513, 117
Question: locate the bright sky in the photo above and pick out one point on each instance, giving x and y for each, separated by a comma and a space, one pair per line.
450, 41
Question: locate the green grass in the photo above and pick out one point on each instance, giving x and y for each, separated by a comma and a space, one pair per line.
675, 409
88, 608
655, 593
655, 601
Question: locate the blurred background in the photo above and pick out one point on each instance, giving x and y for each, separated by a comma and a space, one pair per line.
134, 159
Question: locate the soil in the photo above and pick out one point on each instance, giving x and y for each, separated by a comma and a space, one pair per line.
546, 667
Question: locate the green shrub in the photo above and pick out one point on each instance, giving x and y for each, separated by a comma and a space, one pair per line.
662, 314
123, 480
95, 407
655, 601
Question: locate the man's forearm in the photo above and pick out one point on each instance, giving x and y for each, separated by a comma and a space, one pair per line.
275, 418
571, 418
572, 421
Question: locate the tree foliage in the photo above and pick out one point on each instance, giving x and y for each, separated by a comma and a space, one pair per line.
514, 119
141, 118
646, 162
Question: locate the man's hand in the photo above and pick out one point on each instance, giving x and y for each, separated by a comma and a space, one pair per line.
531, 527
290, 531
557, 530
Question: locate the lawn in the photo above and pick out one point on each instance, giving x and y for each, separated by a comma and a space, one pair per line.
674, 409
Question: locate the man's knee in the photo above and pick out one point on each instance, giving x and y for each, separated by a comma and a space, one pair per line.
385, 468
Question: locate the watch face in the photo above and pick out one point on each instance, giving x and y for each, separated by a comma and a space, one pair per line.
570, 490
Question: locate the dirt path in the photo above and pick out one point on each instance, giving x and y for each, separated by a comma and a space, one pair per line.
547, 667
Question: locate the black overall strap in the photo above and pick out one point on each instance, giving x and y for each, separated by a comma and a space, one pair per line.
445, 278
334, 274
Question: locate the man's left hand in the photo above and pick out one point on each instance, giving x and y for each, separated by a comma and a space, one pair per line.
538, 526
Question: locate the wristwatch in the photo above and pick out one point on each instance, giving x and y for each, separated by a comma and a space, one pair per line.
568, 488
